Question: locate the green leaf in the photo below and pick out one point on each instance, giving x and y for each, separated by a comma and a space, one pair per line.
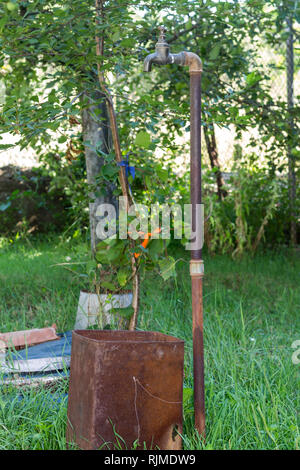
111, 241
215, 52
3, 22
108, 285
6, 146
187, 401
156, 247
116, 36
62, 139
122, 277
128, 42
109, 170
148, 181
11, 6
187, 395
90, 267
143, 139
107, 254
163, 174
123, 312
167, 268
253, 78
52, 97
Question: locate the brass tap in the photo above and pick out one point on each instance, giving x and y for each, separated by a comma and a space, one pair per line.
162, 55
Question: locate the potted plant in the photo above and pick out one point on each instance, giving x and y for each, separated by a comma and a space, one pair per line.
108, 302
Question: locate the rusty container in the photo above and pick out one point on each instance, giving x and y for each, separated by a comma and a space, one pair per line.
125, 390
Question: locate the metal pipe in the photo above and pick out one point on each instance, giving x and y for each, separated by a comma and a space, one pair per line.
162, 56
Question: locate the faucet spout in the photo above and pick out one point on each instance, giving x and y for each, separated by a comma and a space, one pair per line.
149, 61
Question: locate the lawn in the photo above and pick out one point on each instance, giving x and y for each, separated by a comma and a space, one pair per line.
251, 320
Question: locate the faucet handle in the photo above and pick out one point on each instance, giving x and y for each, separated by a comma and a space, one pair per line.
162, 34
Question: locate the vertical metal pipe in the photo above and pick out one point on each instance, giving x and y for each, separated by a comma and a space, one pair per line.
198, 357
195, 129
196, 268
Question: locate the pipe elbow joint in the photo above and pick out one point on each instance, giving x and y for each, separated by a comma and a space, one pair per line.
193, 61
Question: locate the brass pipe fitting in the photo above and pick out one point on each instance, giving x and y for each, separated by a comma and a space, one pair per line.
196, 268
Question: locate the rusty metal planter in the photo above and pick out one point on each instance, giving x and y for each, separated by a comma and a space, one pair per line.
125, 382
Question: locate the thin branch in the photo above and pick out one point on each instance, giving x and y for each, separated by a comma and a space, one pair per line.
181, 33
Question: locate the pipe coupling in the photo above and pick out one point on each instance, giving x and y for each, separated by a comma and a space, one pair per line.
196, 268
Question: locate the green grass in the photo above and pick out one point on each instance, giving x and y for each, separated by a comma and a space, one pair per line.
251, 320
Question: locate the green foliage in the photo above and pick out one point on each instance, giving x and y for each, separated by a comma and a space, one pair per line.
111, 251
255, 211
114, 256
167, 267
54, 62
48, 65
187, 400
35, 204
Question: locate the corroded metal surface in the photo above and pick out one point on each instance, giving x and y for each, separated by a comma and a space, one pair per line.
196, 255
127, 384
198, 356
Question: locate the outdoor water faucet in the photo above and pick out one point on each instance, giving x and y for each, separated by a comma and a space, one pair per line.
162, 56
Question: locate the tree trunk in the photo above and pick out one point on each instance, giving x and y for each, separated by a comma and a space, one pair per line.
291, 157
96, 135
211, 145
